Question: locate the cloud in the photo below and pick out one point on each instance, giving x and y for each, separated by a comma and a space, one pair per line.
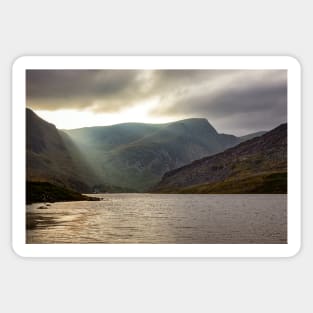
232, 100
97, 90
248, 100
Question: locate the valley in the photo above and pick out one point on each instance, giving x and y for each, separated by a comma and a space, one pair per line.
186, 156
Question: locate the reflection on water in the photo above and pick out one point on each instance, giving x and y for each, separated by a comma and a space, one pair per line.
153, 218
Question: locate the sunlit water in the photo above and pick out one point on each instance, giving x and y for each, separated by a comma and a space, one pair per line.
154, 218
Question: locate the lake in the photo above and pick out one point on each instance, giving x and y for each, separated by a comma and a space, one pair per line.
161, 218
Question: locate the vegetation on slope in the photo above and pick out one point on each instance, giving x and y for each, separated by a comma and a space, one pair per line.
273, 183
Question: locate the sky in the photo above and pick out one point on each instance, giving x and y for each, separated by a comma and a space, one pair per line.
234, 101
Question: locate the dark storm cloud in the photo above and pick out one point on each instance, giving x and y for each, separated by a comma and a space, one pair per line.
236, 101
82, 89
107, 90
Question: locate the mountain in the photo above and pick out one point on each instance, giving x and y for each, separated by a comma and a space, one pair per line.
126, 157
136, 155
250, 136
51, 156
258, 165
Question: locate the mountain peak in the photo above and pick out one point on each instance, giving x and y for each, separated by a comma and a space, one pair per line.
197, 123
194, 120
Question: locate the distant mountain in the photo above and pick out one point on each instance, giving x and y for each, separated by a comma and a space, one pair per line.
250, 136
258, 165
51, 156
135, 155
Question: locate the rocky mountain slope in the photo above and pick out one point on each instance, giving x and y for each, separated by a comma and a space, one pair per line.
258, 165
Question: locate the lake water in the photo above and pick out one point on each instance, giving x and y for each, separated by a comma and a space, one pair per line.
155, 218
